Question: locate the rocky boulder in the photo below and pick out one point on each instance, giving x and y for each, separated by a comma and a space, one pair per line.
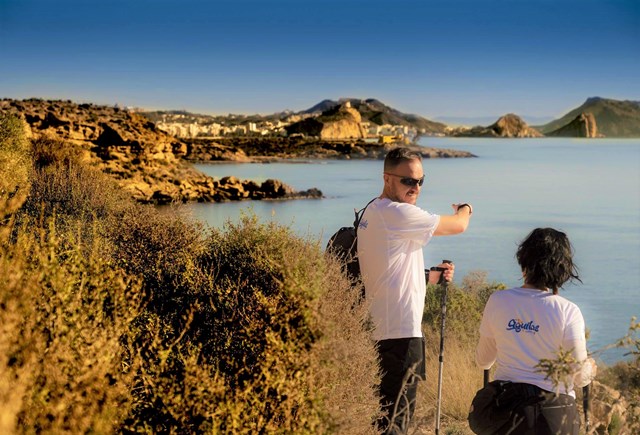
341, 122
583, 125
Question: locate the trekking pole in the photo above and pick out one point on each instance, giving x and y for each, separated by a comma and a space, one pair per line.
444, 285
585, 407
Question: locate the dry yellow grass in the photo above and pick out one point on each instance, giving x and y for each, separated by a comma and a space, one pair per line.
461, 378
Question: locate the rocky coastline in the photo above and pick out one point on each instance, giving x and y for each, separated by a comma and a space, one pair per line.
155, 167
145, 161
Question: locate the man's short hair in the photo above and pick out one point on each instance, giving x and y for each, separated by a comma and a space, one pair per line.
398, 155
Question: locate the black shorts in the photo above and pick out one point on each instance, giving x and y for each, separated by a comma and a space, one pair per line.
402, 365
398, 355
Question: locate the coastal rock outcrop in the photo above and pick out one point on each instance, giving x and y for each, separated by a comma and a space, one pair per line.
615, 118
509, 125
342, 122
144, 160
583, 125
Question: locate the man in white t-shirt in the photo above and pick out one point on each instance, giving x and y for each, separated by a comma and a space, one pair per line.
391, 235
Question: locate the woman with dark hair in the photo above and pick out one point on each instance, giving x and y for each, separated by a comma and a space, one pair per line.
524, 325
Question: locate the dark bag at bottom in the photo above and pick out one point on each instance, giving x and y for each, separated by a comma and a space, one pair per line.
504, 407
485, 417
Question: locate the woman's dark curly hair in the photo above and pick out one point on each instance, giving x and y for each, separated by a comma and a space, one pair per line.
546, 258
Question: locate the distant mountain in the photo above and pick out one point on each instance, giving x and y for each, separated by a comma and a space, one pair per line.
378, 113
614, 118
322, 106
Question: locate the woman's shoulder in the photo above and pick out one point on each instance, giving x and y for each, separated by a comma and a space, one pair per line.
566, 303
510, 292
503, 296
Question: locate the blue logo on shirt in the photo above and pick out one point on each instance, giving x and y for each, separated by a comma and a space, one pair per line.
519, 325
363, 224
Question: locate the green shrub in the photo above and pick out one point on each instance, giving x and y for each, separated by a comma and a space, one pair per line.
258, 336
162, 248
65, 317
615, 425
15, 158
63, 184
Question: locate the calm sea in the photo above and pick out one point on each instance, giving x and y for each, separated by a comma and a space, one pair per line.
588, 188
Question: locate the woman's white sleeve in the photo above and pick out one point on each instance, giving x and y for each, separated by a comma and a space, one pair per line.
486, 352
575, 339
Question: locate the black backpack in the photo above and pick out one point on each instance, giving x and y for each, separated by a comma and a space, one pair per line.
344, 246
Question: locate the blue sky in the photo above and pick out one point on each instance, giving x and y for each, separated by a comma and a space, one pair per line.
429, 57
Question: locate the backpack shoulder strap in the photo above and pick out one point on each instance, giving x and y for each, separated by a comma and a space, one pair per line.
359, 213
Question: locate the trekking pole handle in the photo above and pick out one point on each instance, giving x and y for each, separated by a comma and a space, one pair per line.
441, 279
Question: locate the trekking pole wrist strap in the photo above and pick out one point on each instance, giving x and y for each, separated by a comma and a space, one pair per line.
465, 205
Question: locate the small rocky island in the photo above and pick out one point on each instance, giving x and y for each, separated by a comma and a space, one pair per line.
156, 167
509, 125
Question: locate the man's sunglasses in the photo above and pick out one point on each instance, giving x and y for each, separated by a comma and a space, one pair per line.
408, 181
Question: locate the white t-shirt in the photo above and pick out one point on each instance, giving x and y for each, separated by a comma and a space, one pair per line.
521, 326
390, 240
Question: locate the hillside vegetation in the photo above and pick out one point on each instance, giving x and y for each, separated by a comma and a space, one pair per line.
116, 318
